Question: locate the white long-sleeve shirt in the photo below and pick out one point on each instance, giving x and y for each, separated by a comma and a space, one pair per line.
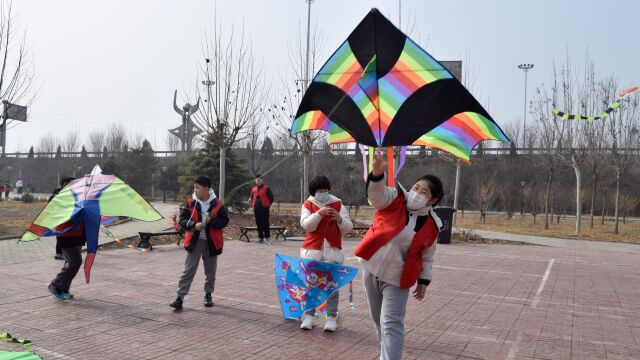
310, 221
388, 262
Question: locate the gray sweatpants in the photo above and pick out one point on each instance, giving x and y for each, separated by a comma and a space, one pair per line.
332, 305
388, 305
200, 250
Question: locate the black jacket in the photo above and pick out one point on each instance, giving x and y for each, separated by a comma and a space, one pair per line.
218, 222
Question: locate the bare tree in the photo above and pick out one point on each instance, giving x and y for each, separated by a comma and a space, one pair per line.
624, 133
172, 142
550, 140
116, 138
71, 142
47, 144
17, 72
286, 104
96, 141
235, 91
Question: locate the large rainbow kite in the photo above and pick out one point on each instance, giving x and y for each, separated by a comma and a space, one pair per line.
381, 89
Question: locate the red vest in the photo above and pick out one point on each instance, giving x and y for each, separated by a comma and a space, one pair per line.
327, 229
389, 222
262, 192
215, 235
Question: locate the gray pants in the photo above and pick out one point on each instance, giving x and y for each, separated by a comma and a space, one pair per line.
72, 263
200, 250
332, 305
388, 305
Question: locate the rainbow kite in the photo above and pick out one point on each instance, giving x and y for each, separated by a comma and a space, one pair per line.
381, 89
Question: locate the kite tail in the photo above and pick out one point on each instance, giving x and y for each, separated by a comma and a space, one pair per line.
365, 170
353, 307
390, 166
403, 158
88, 263
6, 337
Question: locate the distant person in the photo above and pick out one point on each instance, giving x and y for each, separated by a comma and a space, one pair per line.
397, 252
325, 219
7, 191
202, 218
63, 182
1, 191
261, 200
31, 186
19, 187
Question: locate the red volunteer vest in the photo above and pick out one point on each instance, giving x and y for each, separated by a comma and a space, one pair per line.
214, 234
389, 222
327, 229
262, 192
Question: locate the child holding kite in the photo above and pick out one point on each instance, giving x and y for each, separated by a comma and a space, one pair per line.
397, 251
325, 220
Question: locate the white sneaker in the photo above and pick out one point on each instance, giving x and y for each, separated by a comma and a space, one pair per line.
267, 241
331, 325
307, 322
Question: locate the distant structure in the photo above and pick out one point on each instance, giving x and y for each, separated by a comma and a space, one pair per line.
187, 130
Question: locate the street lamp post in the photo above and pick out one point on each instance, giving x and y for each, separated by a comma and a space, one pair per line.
525, 68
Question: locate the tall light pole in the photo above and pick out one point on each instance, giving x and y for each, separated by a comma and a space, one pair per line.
525, 68
305, 156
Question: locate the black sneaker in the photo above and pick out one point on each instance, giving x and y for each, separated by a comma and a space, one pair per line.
59, 257
177, 303
208, 301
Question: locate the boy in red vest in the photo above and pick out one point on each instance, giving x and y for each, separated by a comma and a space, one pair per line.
202, 218
261, 200
325, 219
397, 251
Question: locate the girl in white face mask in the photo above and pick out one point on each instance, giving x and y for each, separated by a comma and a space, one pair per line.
325, 219
397, 252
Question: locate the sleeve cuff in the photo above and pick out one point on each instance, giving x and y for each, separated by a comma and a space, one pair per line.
375, 178
425, 282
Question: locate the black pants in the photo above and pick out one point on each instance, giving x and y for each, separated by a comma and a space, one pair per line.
72, 263
262, 222
58, 248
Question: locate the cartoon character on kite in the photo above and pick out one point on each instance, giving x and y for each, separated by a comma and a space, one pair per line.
86, 202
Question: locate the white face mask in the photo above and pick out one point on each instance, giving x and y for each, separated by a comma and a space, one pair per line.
322, 196
416, 201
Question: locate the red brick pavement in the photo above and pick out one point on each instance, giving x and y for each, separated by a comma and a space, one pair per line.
486, 302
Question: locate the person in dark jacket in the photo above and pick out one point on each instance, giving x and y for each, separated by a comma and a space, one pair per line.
261, 200
63, 182
70, 245
202, 218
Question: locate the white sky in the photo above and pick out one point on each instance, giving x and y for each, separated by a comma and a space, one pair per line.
105, 61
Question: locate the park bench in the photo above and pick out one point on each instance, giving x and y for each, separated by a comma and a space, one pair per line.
144, 242
360, 228
280, 231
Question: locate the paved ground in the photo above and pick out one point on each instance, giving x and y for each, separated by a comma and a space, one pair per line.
486, 302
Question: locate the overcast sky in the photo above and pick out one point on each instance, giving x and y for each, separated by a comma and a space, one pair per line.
119, 61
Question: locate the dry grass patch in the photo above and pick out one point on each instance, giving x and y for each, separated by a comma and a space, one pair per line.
629, 232
16, 216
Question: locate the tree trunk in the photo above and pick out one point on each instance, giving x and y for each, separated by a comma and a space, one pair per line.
457, 190
593, 197
305, 175
578, 198
604, 205
617, 202
546, 201
223, 160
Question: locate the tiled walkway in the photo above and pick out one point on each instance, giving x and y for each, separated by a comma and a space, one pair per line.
486, 302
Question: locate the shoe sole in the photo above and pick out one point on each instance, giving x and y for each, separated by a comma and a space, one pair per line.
208, 305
